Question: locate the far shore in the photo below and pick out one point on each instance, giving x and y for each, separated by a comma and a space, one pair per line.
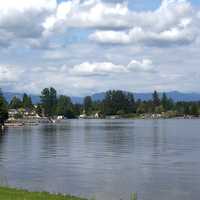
34, 122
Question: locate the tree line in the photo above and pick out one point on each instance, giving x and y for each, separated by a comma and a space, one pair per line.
115, 102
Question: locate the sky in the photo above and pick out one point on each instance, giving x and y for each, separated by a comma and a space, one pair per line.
82, 47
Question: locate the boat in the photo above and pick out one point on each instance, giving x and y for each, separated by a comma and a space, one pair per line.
14, 124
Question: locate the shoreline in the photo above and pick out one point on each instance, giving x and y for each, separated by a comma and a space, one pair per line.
9, 193
24, 123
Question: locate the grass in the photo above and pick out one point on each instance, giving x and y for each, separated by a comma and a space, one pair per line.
16, 194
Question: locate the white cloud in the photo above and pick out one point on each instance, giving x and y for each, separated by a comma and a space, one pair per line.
89, 13
24, 18
173, 36
172, 23
24, 5
9, 73
98, 14
114, 37
35, 21
107, 68
103, 68
145, 65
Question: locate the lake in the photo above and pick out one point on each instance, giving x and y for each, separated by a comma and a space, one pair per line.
106, 159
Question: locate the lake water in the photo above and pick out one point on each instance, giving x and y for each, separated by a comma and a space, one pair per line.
108, 159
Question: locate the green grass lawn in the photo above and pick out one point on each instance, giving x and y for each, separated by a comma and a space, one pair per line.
16, 194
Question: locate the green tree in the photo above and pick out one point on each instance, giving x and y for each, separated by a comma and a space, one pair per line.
77, 108
3, 109
27, 101
116, 101
39, 109
49, 101
87, 104
141, 108
156, 99
65, 107
187, 109
15, 103
164, 101
194, 110
159, 109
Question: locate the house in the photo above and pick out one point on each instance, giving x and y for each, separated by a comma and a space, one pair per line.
12, 112
83, 116
97, 116
60, 117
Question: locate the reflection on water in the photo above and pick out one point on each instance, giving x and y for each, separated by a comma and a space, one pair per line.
108, 159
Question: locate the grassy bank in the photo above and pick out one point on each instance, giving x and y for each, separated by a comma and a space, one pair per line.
16, 194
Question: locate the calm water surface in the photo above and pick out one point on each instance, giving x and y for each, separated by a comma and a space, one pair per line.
108, 159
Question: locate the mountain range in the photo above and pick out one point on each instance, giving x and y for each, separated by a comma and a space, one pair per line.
175, 95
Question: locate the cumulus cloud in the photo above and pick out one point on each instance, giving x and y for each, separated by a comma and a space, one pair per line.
173, 36
9, 73
24, 19
108, 68
85, 76
89, 13
35, 21
145, 65
104, 68
173, 23
99, 14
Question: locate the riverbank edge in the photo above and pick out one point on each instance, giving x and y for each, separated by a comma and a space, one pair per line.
9, 193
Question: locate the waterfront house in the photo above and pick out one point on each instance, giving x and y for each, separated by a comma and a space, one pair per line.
12, 112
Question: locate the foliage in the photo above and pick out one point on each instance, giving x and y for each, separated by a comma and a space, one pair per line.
65, 107
15, 103
49, 101
27, 102
87, 104
3, 109
38, 109
118, 101
156, 100
194, 110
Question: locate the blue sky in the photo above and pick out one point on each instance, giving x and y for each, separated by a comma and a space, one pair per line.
143, 4
87, 46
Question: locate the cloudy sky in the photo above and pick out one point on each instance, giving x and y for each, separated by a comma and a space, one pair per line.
85, 46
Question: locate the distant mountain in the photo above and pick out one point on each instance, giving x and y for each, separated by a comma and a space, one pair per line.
10, 95
179, 96
175, 95
78, 100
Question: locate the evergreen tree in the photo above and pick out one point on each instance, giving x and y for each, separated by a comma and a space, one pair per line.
156, 99
65, 107
186, 109
88, 105
49, 101
53, 100
27, 101
118, 101
77, 108
194, 110
3, 109
39, 109
164, 102
15, 103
